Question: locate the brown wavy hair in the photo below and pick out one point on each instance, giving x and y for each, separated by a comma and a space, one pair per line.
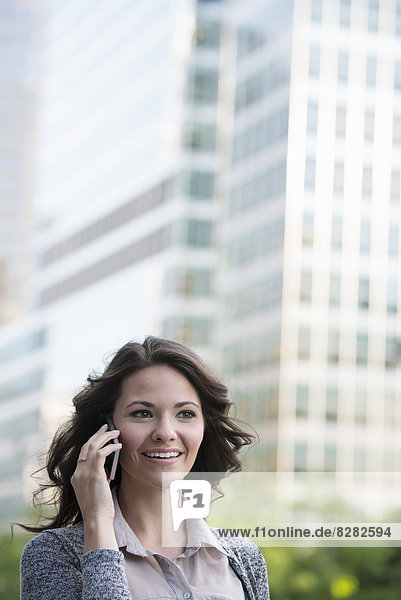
222, 440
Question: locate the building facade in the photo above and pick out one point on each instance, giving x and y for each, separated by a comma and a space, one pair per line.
227, 176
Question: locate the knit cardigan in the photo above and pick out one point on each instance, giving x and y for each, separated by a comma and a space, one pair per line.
54, 567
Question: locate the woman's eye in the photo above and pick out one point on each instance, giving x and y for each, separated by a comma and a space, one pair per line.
142, 414
187, 414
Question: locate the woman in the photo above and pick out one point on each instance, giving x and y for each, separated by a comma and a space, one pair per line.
105, 542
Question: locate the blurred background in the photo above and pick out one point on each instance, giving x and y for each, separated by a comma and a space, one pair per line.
226, 174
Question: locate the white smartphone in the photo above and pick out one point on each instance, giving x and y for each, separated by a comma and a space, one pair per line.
112, 460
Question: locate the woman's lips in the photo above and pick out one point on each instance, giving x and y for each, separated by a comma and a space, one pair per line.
162, 461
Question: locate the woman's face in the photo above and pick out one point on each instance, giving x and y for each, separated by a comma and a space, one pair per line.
158, 412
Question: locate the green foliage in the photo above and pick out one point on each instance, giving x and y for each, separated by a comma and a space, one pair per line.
315, 573
10, 554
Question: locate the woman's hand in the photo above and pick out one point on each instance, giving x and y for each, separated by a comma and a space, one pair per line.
93, 492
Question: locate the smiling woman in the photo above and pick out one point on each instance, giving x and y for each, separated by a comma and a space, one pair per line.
170, 415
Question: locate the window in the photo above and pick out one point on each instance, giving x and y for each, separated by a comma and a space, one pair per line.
393, 240
362, 349
306, 286
331, 404
395, 190
364, 242
338, 179
393, 354
341, 117
371, 68
345, 13
314, 61
335, 289
200, 137
304, 343
207, 34
367, 181
360, 407
369, 125
203, 85
398, 18
199, 233
363, 293
342, 72
333, 346
336, 232
310, 168
201, 184
312, 116
330, 457
397, 75
392, 295
302, 398
300, 456
307, 230
316, 11
373, 16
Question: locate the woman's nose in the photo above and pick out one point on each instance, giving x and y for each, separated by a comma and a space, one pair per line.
164, 430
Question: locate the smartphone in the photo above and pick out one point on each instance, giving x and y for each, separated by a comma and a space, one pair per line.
112, 460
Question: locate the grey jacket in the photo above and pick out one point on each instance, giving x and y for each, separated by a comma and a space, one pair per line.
54, 567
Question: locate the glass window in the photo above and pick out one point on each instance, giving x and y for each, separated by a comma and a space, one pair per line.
207, 34
341, 117
331, 403
302, 397
306, 286
371, 68
392, 295
338, 178
199, 233
395, 191
336, 232
203, 85
360, 407
362, 349
393, 351
201, 184
373, 16
369, 125
307, 229
342, 72
397, 75
333, 346
316, 11
200, 137
364, 242
393, 240
304, 343
398, 18
330, 457
300, 456
314, 61
312, 116
363, 293
335, 289
345, 13
310, 168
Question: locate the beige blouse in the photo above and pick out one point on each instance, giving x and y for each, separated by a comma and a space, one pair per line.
201, 572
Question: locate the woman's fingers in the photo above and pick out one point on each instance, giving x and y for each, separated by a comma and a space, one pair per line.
98, 440
90, 481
